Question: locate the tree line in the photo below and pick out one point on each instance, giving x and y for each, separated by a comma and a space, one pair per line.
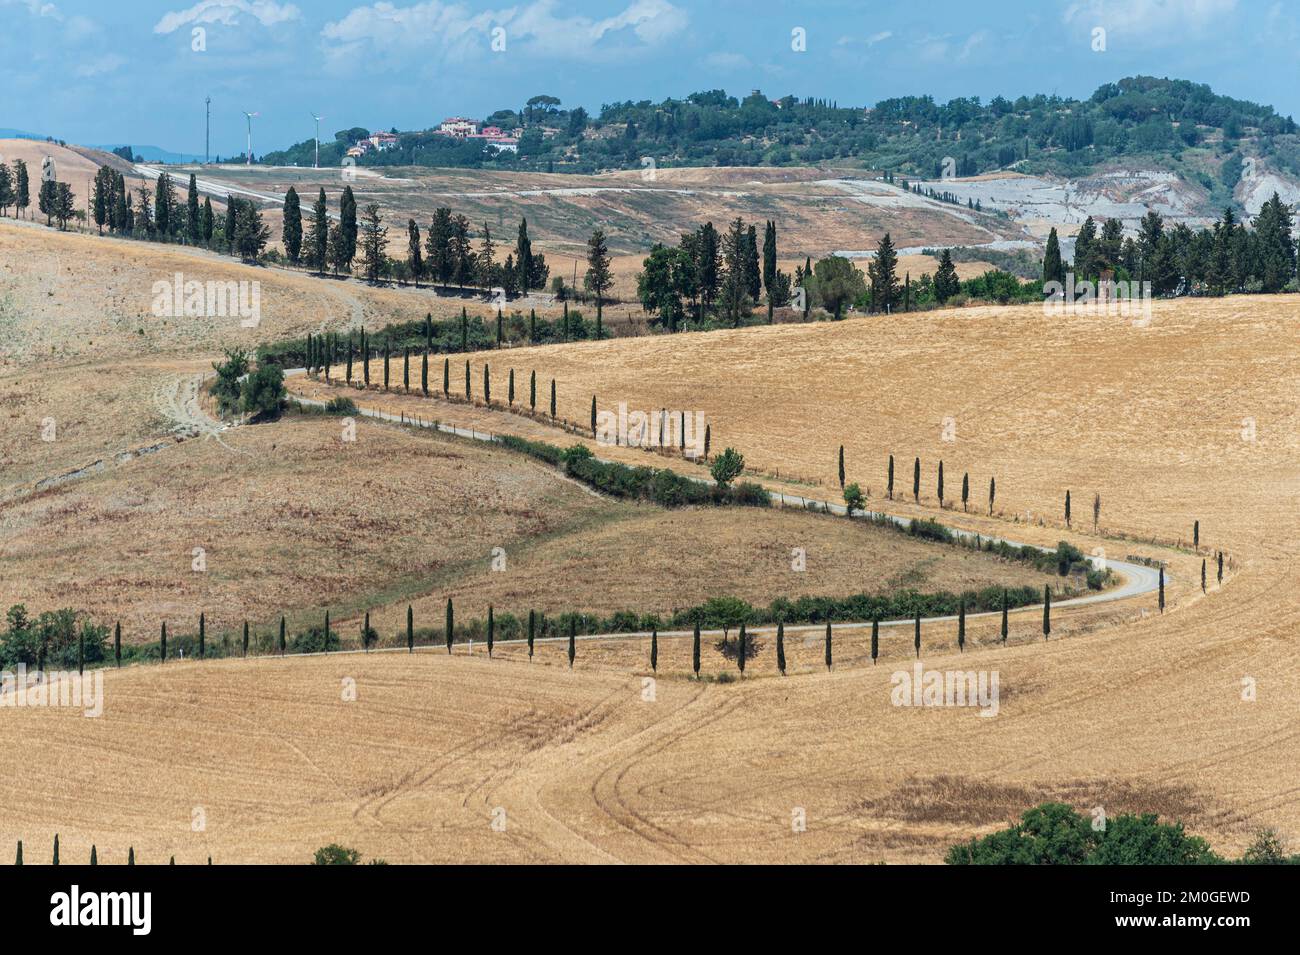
1225, 258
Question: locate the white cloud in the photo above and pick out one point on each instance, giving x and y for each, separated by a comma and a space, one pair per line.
35, 7
227, 13
384, 27
851, 41
99, 65
727, 62
1155, 18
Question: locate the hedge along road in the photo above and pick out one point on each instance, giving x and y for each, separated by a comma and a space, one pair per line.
1137, 579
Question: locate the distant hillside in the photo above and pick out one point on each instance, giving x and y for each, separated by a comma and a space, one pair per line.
151, 153
1175, 125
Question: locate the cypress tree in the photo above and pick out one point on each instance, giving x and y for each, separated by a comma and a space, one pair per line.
468, 392
875, 640
1196, 536
890, 490
510, 389
487, 384
916, 641
708, 438
410, 629
406, 369
349, 377
365, 359
117, 643
1067, 508
1220, 568
1005, 605
450, 624
386, 351
1047, 611
446, 377
464, 330
365, 633
424, 374
245, 638
130, 855
94, 856
327, 631
282, 634
552, 397
18, 859
993, 486
841, 467
499, 328
828, 644
492, 631
81, 637
1162, 590
532, 631
573, 639
780, 646
162, 644
593, 416
654, 650
940, 484
532, 325
203, 638
916, 481
532, 390
740, 650
965, 490
1202, 575
695, 650
961, 625
56, 848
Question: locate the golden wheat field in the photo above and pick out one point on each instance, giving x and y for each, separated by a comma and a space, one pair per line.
435, 757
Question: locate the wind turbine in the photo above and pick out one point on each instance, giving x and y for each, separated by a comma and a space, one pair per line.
316, 164
249, 116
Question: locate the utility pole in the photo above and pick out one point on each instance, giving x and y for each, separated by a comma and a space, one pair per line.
207, 130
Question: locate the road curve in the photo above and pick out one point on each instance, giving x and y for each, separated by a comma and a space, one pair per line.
1136, 579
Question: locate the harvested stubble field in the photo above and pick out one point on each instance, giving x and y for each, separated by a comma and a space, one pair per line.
1123, 708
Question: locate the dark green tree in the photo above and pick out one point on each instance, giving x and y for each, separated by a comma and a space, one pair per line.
291, 232
695, 650
1047, 611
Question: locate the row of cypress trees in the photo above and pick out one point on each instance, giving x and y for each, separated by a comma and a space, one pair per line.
916, 482
742, 648
323, 352
94, 854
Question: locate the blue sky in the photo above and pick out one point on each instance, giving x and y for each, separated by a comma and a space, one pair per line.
127, 70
